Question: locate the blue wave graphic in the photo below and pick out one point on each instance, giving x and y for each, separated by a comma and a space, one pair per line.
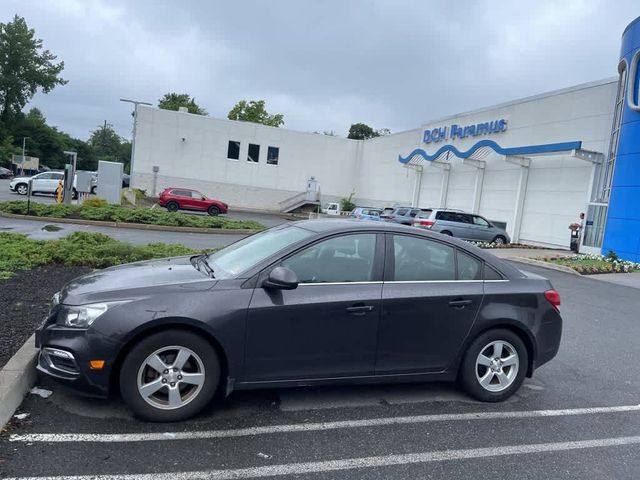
526, 150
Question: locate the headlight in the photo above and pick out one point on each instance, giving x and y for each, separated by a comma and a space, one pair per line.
82, 316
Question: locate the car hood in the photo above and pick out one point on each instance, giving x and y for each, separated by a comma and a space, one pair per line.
135, 280
20, 179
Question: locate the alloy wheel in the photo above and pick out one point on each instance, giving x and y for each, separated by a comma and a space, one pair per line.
171, 377
497, 366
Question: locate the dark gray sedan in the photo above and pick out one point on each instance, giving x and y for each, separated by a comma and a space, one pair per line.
313, 302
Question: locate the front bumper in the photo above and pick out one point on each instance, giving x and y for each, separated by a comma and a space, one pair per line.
12, 187
65, 354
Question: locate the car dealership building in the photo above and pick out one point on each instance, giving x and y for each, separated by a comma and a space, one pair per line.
533, 164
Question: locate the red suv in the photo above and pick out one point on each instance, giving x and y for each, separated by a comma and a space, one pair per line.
184, 199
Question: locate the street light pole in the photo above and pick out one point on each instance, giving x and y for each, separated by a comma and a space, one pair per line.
133, 140
24, 144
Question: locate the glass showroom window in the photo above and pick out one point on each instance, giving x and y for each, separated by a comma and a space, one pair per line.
272, 155
254, 153
233, 150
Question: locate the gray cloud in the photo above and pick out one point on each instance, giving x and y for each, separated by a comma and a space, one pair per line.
324, 64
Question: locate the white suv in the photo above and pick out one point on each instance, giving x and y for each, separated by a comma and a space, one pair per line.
45, 182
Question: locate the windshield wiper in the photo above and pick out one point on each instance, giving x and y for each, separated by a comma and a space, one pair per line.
202, 260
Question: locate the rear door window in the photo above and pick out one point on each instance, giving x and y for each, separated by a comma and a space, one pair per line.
469, 268
419, 259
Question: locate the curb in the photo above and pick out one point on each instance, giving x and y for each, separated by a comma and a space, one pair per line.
134, 226
540, 263
16, 378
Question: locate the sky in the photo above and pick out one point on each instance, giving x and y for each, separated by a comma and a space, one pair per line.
324, 64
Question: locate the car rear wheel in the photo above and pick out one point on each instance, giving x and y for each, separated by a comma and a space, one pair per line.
499, 240
494, 366
172, 206
22, 188
213, 211
169, 376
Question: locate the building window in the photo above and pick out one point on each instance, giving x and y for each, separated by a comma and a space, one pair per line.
233, 150
272, 155
254, 153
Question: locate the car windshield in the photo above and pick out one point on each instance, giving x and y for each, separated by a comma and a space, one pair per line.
241, 256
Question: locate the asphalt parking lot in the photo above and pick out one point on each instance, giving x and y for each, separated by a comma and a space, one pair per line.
578, 417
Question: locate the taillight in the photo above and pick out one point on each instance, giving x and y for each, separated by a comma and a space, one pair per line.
553, 297
424, 223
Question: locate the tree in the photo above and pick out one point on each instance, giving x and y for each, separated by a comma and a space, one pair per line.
255, 111
7, 150
105, 142
173, 101
24, 67
362, 131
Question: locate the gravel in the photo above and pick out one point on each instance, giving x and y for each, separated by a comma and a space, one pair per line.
24, 303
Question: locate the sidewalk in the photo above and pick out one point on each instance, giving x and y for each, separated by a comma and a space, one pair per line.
625, 279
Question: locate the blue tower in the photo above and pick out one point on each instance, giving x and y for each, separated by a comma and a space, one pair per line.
622, 184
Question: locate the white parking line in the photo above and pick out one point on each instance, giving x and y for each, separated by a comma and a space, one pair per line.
358, 463
311, 427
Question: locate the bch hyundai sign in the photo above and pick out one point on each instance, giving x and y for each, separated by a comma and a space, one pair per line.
454, 131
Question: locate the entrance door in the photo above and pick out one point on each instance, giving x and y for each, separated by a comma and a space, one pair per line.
594, 225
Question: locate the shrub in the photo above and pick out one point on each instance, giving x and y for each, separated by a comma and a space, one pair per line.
94, 202
346, 203
91, 249
117, 213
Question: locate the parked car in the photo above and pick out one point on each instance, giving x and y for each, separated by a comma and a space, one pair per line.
366, 213
5, 173
402, 215
45, 182
175, 199
301, 304
456, 223
332, 209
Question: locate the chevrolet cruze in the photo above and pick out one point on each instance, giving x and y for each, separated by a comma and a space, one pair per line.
307, 303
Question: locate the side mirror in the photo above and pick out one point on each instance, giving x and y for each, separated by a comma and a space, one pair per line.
281, 278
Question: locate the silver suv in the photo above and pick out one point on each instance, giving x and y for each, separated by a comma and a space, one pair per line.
457, 223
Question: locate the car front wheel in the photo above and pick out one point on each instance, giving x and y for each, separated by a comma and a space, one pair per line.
213, 211
22, 189
494, 366
169, 376
499, 240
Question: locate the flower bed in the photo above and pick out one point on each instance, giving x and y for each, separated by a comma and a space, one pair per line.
506, 245
591, 264
116, 213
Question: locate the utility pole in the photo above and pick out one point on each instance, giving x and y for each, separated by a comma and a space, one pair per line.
133, 140
24, 144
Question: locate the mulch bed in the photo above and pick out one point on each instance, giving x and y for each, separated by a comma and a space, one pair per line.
24, 303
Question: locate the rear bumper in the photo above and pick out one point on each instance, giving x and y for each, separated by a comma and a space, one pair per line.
548, 338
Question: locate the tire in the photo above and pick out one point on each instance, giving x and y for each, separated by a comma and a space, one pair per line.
447, 232
201, 361
484, 383
173, 206
213, 211
22, 189
499, 240
74, 194
94, 189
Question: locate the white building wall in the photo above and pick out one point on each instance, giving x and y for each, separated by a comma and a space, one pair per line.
191, 151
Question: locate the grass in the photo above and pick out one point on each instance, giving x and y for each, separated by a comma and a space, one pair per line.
591, 264
96, 250
116, 213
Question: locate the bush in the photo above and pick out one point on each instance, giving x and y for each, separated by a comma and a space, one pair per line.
18, 252
346, 203
117, 213
94, 202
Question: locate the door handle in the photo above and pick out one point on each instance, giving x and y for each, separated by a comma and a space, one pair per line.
460, 303
360, 309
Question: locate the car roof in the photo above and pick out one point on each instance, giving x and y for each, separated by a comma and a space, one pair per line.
331, 226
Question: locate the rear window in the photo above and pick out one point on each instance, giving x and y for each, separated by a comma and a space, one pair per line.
424, 214
402, 211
